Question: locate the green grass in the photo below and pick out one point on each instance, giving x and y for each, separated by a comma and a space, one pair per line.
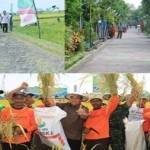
44, 14
52, 31
73, 59
56, 49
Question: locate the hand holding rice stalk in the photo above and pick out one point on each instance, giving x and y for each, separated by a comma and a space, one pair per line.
110, 82
137, 88
7, 129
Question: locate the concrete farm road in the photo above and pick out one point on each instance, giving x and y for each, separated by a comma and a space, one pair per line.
129, 54
18, 56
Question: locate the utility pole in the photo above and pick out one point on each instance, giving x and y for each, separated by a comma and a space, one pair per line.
38, 23
81, 14
90, 5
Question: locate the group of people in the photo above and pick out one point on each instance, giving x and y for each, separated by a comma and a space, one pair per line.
6, 21
120, 28
106, 126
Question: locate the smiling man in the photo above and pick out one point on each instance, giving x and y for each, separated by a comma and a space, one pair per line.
97, 124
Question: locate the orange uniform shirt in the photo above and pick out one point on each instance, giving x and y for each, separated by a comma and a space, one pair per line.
146, 124
99, 120
25, 118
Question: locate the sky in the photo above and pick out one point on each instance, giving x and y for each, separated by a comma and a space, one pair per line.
11, 81
136, 3
5, 4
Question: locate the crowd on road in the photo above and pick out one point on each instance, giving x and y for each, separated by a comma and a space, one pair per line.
6, 21
108, 31
114, 122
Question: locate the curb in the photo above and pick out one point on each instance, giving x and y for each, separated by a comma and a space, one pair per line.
88, 55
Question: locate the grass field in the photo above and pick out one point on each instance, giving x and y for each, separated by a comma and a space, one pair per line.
52, 31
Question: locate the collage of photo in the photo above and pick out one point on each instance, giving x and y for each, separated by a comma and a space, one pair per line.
74, 74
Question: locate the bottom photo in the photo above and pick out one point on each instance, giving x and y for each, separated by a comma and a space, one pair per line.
75, 111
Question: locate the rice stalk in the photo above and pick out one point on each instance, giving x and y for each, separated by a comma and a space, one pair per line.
47, 83
83, 146
94, 146
7, 129
136, 87
53, 147
22, 130
108, 82
59, 147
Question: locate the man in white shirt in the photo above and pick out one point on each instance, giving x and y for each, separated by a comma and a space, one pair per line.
5, 21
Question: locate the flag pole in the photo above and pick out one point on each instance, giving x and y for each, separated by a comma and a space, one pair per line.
38, 23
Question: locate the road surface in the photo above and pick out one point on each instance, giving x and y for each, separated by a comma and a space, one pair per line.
18, 56
129, 54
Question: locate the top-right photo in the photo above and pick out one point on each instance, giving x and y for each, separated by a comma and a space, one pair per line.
107, 36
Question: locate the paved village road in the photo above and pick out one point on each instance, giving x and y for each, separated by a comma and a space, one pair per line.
18, 56
129, 54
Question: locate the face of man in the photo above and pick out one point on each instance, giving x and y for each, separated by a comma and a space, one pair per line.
4, 12
143, 102
75, 100
18, 101
29, 100
48, 102
96, 103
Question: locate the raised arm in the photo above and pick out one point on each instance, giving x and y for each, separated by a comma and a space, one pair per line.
23, 86
112, 105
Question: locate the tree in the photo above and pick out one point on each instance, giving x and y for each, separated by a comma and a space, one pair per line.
72, 13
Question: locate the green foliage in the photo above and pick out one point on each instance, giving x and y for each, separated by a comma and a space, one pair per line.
51, 29
146, 6
84, 15
146, 12
142, 14
72, 13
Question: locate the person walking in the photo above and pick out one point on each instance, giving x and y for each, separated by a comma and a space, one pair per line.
111, 31
5, 21
120, 31
0, 21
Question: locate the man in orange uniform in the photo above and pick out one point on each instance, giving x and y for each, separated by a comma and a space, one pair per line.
23, 116
97, 124
146, 124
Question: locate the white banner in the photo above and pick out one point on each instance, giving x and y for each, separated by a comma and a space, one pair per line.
27, 12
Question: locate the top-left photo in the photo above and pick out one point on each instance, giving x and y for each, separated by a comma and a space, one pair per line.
32, 36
